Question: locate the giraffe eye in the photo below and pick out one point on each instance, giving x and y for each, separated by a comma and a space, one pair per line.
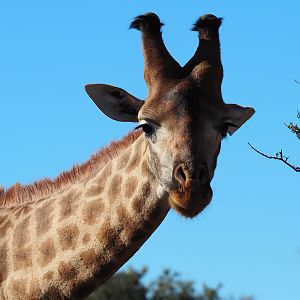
147, 128
224, 129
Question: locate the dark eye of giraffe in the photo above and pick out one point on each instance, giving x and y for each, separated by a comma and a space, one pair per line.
224, 129
147, 128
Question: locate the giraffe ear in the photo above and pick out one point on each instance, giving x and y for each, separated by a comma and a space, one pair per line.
237, 116
115, 102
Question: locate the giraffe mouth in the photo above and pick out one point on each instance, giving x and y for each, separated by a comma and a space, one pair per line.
190, 202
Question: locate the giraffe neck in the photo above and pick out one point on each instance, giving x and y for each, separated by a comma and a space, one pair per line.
69, 243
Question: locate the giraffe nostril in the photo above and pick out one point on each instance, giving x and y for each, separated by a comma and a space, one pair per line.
184, 175
181, 174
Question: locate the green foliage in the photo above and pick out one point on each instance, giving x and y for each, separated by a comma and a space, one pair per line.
168, 286
129, 285
125, 285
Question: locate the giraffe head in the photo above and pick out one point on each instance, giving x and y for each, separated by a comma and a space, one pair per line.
184, 117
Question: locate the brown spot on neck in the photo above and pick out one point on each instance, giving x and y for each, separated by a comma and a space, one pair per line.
68, 205
44, 218
132, 230
22, 255
46, 252
109, 237
96, 189
123, 160
21, 234
135, 160
68, 237
89, 258
127, 224
145, 168
67, 271
130, 186
53, 293
99, 183
138, 202
115, 188
92, 210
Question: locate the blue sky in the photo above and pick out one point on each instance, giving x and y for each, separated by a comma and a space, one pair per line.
248, 238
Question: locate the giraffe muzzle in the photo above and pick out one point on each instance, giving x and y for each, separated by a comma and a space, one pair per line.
193, 191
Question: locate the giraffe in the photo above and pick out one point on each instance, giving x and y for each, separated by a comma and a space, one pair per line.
62, 238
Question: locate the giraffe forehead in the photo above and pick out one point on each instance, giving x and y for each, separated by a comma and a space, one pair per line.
183, 103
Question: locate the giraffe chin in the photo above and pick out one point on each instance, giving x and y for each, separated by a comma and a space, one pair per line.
189, 203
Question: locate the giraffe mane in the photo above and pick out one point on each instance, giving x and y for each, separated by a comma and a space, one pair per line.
19, 194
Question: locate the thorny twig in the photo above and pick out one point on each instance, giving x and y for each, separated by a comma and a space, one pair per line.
294, 128
279, 156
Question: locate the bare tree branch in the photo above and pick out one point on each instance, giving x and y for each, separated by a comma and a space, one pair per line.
279, 156
295, 129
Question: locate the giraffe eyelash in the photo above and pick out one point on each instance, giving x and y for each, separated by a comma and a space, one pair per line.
147, 128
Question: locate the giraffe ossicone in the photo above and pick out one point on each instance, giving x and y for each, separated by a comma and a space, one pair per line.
62, 238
